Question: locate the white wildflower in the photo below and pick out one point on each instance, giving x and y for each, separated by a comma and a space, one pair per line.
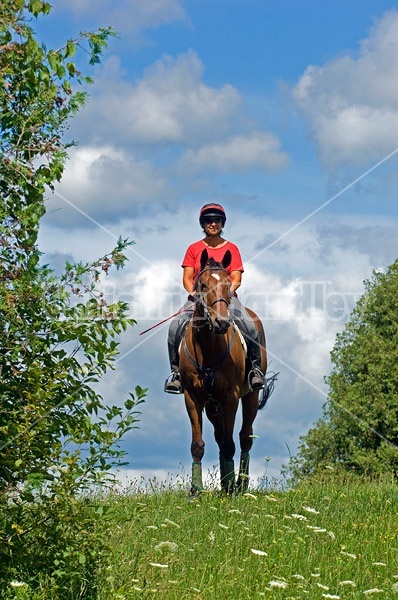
249, 495
311, 510
172, 523
299, 517
323, 587
270, 498
269, 516
212, 536
348, 582
315, 575
379, 564
331, 596
17, 583
395, 587
223, 526
348, 554
373, 591
276, 583
151, 527
298, 576
331, 535
170, 546
160, 566
258, 552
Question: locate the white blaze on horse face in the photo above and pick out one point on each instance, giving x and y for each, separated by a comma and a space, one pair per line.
216, 276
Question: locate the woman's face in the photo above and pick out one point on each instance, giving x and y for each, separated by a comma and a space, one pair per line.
212, 225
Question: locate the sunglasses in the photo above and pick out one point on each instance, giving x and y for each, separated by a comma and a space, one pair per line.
209, 220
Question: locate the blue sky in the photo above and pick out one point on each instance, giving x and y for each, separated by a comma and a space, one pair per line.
285, 112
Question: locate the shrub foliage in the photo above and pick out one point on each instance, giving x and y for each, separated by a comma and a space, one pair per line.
58, 335
359, 428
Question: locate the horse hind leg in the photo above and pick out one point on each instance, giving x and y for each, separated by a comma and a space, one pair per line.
227, 467
249, 413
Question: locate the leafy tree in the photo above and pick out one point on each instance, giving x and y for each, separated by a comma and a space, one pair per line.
359, 427
58, 335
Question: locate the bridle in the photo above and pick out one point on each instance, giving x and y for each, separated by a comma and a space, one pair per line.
204, 305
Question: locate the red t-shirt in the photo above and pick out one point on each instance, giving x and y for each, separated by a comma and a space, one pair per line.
194, 252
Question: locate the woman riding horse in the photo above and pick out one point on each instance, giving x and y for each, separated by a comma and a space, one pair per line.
212, 371
212, 218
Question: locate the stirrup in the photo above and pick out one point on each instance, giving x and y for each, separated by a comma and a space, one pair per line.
254, 374
173, 384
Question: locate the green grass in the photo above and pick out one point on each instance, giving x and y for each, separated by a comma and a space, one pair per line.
324, 539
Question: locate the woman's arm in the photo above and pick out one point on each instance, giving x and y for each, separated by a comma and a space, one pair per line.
236, 279
188, 279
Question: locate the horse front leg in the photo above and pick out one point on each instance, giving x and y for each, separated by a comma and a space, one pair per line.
223, 424
194, 410
249, 413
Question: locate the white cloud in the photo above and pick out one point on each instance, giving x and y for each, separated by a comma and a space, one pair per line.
169, 104
129, 16
104, 182
239, 153
352, 102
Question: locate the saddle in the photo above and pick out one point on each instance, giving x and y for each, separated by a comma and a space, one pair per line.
181, 330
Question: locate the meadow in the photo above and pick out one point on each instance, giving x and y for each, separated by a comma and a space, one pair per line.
334, 537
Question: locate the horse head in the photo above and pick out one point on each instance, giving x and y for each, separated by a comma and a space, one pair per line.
212, 288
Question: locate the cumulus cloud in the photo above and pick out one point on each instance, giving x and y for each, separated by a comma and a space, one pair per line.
240, 153
104, 182
169, 104
351, 102
129, 16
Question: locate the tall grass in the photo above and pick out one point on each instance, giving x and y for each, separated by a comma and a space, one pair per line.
327, 538
333, 538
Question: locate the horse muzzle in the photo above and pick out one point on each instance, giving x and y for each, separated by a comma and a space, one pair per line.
221, 324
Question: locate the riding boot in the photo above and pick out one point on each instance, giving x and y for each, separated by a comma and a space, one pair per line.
255, 378
176, 331
173, 384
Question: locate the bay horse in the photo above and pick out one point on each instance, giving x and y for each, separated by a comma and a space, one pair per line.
213, 376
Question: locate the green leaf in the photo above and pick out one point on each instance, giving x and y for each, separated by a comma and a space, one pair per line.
70, 49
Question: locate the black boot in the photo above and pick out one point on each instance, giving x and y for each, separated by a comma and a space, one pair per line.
173, 384
255, 378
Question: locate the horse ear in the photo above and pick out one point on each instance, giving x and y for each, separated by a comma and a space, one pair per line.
203, 259
226, 261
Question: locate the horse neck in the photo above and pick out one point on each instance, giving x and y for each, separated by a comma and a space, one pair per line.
210, 343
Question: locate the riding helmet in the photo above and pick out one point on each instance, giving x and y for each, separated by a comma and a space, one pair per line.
212, 210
